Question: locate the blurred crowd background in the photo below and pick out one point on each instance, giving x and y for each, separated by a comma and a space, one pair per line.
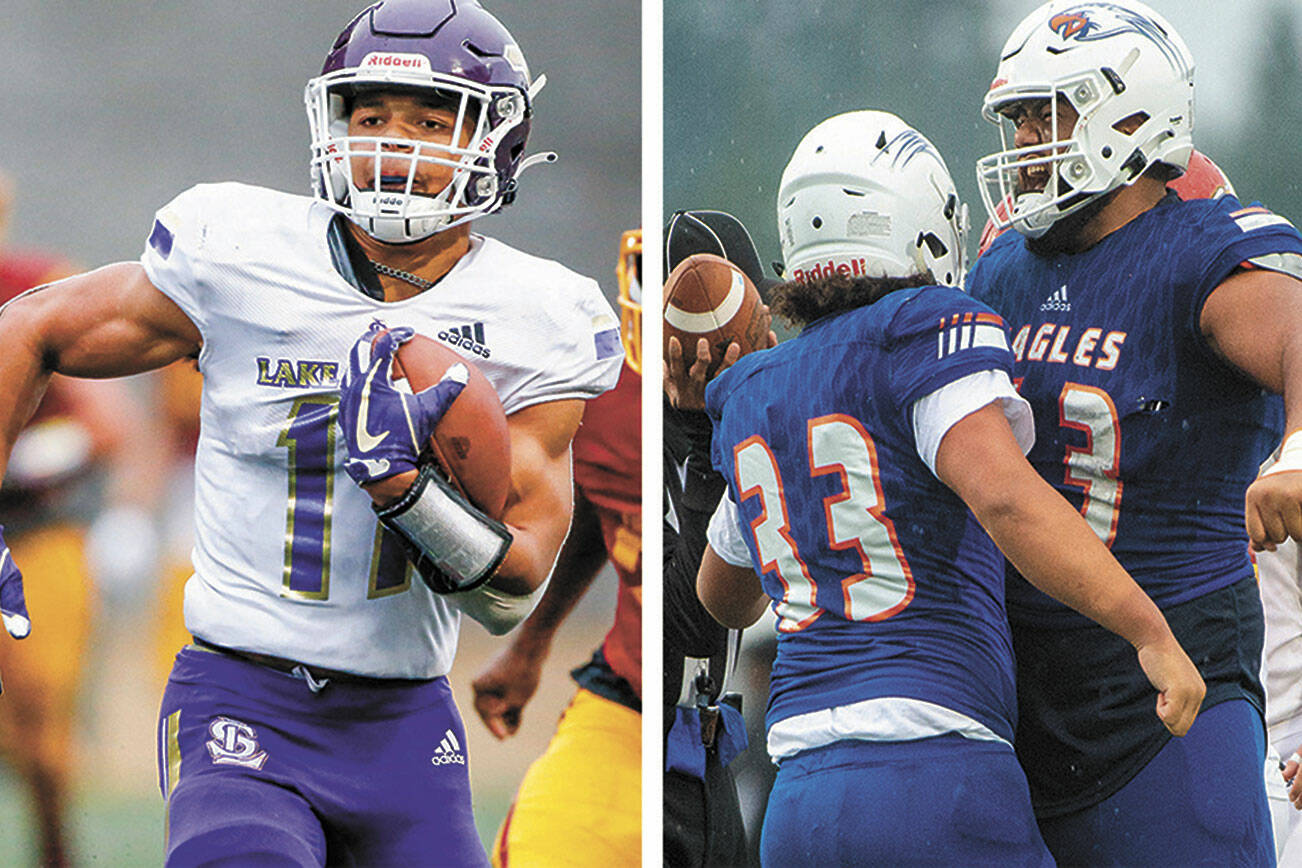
743, 85
111, 110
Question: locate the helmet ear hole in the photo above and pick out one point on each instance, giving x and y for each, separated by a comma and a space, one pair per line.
1127, 125
935, 246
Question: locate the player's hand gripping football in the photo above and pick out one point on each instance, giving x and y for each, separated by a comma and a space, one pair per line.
504, 688
684, 386
1180, 689
385, 429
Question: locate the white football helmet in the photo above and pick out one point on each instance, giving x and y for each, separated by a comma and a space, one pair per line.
865, 194
464, 57
1112, 61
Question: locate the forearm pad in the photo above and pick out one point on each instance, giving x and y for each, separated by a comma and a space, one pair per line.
453, 545
498, 611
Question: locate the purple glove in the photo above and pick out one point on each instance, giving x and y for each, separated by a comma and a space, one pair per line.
13, 605
385, 429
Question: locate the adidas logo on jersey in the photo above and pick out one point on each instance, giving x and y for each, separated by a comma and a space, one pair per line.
449, 751
468, 337
1057, 301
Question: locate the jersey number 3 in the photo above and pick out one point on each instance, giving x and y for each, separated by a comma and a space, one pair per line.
1094, 468
855, 519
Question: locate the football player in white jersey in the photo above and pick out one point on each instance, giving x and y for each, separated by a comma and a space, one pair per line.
312, 721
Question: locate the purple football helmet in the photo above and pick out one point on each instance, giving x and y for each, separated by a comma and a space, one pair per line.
457, 50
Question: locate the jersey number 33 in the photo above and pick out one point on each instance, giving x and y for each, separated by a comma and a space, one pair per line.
855, 520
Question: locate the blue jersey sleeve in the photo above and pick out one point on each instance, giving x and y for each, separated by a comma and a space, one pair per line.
1226, 236
938, 336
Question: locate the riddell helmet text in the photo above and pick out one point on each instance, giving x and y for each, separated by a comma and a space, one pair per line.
400, 60
853, 268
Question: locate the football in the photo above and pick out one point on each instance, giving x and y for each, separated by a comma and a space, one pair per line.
707, 296
470, 442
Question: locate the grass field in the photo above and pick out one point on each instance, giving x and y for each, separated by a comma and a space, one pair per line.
116, 830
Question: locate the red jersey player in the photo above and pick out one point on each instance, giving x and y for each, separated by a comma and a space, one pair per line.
580, 802
79, 426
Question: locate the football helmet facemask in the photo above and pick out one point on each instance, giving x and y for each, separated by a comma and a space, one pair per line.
466, 59
1128, 75
628, 270
865, 194
1202, 179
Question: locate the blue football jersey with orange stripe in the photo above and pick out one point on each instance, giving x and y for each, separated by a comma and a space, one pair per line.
1138, 423
883, 582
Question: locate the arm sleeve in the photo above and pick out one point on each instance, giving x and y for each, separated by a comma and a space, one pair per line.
1228, 237
939, 336
583, 354
935, 413
173, 258
725, 534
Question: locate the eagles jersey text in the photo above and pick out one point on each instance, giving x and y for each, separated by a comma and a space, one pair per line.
1138, 423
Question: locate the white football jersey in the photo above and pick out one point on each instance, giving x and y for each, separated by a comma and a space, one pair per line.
288, 556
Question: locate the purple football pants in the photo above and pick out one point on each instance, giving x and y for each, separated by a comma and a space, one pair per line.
259, 770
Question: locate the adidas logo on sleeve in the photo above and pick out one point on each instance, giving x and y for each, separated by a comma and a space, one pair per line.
449, 751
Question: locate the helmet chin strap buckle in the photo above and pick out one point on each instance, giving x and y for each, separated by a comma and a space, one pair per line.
536, 85
534, 159
512, 186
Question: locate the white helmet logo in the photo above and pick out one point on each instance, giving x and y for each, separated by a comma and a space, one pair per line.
1090, 22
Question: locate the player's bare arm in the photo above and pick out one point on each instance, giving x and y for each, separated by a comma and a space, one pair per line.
506, 685
1253, 320
109, 322
732, 594
541, 500
1053, 547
